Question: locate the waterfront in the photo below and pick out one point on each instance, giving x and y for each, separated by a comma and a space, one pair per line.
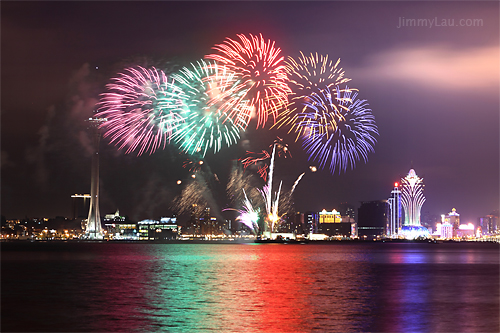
341, 287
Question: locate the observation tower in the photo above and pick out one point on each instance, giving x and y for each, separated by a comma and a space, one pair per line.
93, 228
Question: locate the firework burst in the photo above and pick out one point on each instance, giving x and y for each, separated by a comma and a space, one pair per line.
205, 127
260, 67
142, 107
314, 71
309, 76
339, 131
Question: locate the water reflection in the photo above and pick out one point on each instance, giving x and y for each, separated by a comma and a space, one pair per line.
250, 288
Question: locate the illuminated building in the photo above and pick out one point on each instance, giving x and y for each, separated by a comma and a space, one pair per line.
310, 223
446, 230
333, 224
453, 218
465, 230
117, 228
121, 230
412, 199
164, 229
395, 216
489, 224
194, 222
372, 219
93, 227
329, 217
114, 217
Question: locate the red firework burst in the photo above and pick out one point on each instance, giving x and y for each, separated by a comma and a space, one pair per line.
262, 73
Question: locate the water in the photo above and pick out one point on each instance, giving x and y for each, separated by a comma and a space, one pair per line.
343, 287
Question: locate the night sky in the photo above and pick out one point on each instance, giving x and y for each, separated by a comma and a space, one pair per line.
434, 93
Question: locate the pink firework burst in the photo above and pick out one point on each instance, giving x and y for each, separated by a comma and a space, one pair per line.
142, 109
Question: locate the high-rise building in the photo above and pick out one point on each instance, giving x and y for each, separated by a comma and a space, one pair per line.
395, 217
489, 224
347, 209
412, 197
310, 223
372, 218
93, 228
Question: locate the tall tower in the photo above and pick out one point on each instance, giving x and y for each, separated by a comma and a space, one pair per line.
412, 198
394, 225
93, 229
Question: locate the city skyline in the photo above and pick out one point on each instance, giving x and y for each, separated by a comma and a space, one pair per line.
430, 118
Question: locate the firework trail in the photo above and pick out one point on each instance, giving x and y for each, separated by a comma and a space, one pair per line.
205, 127
260, 67
270, 204
352, 137
286, 202
142, 107
297, 182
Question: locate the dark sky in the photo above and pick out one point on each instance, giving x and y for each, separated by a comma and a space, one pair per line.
433, 90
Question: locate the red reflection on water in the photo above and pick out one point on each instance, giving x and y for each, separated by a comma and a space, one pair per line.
123, 285
280, 275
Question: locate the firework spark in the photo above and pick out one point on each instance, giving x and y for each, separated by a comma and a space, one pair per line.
260, 67
352, 137
193, 165
249, 215
254, 158
282, 148
261, 158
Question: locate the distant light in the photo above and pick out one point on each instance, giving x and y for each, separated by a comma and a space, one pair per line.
200, 162
313, 168
396, 184
193, 176
96, 67
179, 182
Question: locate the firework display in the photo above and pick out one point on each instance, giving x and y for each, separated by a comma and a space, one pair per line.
348, 135
261, 68
207, 105
143, 108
